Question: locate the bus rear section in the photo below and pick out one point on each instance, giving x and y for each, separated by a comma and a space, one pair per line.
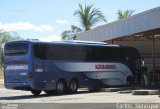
16, 66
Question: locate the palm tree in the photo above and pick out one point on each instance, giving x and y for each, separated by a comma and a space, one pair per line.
89, 16
71, 34
124, 14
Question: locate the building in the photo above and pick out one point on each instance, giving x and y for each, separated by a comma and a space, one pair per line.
141, 31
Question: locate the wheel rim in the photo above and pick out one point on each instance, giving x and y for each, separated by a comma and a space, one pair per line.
73, 86
60, 86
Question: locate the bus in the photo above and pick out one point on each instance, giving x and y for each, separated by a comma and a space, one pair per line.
63, 67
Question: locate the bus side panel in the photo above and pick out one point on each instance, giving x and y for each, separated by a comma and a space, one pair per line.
46, 75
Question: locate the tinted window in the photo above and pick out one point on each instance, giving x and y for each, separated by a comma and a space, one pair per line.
98, 53
16, 49
76, 52
130, 52
59, 52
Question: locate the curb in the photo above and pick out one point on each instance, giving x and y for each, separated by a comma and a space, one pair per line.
126, 91
145, 92
110, 89
122, 89
82, 89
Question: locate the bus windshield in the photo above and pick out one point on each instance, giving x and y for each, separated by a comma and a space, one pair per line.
16, 49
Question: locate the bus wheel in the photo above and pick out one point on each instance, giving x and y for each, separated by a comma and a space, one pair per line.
73, 86
36, 92
60, 87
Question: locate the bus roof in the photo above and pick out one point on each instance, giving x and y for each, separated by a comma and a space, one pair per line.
72, 42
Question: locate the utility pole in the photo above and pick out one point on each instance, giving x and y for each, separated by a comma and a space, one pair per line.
153, 58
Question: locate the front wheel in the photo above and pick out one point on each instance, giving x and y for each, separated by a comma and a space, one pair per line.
73, 86
36, 92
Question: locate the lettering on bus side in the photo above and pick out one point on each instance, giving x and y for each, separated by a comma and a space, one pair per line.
102, 66
17, 67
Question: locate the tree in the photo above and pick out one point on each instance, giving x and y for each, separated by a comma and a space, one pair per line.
8, 36
89, 16
4, 37
71, 34
124, 14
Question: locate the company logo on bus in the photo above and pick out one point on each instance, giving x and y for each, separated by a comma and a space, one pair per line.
102, 66
17, 67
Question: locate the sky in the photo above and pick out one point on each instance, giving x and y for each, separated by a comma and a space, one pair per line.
47, 19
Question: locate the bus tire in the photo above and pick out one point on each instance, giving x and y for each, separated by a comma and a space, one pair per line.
73, 86
36, 92
60, 87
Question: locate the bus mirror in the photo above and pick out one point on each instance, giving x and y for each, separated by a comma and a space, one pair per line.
142, 62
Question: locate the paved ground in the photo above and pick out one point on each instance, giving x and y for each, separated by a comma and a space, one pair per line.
1, 83
82, 97
89, 99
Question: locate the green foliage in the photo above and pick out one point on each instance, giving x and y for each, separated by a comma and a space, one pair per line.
124, 14
71, 34
8, 36
89, 16
5, 37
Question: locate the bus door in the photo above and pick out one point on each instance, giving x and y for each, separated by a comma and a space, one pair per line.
134, 63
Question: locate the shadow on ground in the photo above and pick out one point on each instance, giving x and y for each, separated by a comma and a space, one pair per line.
21, 97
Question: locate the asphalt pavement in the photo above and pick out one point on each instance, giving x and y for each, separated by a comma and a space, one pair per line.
17, 99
